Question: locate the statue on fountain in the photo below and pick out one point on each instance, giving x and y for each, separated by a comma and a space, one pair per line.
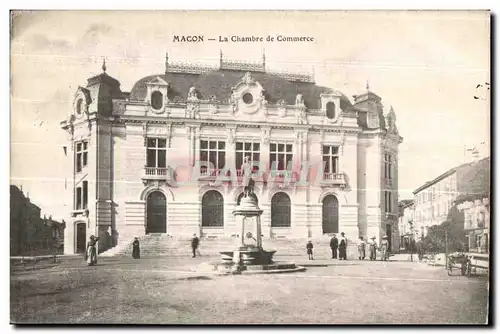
249, 183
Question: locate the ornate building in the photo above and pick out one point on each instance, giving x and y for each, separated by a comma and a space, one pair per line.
167, 157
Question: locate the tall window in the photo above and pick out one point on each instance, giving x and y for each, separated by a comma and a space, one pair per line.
388, 166
213, 153
81, 155
212, 209
388, 201
81, 202
157, 152
331, 159
280, 156
247, 149
280, 210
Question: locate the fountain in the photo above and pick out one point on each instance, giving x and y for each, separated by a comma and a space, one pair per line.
250, 256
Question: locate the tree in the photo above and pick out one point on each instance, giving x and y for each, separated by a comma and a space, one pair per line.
435, 240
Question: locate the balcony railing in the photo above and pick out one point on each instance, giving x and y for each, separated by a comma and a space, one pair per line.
157, 173
333, 179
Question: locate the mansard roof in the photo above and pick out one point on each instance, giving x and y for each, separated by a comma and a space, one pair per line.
220, 81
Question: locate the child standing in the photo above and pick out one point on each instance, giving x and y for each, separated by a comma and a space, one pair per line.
309, 248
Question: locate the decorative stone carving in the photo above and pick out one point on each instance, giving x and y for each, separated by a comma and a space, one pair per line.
282, 108
390, 120
265, 136
231, 134
247, 79
192, 109
233, 102
189, 131
301, 116
192, 94
299, 138
145, 132
299, 100
213, 106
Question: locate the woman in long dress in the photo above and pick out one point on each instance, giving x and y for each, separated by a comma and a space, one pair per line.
343, 247
384, 248
136, 251
92, 251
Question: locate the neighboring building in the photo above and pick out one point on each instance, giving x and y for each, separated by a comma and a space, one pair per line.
405, 223
434, 200
477, 221
30, 234
166, 157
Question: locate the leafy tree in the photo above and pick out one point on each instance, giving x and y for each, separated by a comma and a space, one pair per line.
435, 241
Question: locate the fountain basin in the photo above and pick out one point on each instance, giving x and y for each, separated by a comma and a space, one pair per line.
234, 269
249, 256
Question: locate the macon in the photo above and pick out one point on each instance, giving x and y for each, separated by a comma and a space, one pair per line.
188, 38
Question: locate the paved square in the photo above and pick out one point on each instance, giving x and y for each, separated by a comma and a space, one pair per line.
168, 291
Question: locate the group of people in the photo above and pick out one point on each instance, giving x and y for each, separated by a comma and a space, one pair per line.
91, 250
340, 247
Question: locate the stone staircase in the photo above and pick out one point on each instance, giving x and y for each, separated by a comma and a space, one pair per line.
154, 245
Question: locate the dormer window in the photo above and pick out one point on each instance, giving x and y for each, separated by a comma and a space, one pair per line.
330, 110
157, 100
79, 105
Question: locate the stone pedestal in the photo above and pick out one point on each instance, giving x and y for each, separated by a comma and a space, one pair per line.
250, 256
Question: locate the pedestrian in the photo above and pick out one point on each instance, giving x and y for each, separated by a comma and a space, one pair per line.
342, 247
136, 251
361, 248
384, 248
91, 252
309, 248
195, 242
373, 249
334, 245
420, 250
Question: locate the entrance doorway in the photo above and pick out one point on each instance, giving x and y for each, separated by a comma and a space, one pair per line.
81, 238
330, 215
156, 213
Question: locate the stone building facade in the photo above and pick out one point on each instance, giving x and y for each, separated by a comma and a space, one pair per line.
434, 200
167, 156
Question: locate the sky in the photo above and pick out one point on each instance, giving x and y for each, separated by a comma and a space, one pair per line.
426, 65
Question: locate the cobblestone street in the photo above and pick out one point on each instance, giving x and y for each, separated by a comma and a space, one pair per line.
170, 291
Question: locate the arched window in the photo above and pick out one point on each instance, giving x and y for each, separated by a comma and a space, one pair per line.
157, 100
330, 214
212, 209
280, 210
330, 110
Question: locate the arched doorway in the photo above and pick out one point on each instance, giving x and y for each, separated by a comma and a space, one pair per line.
156, 213
330, 214
212, 209
81, 238
280, 210
240, 196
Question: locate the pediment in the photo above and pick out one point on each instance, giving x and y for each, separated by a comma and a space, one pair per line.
158, 81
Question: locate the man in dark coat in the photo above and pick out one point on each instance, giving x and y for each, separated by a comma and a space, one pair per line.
309, 248
334, 245
194, 244
136, 251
